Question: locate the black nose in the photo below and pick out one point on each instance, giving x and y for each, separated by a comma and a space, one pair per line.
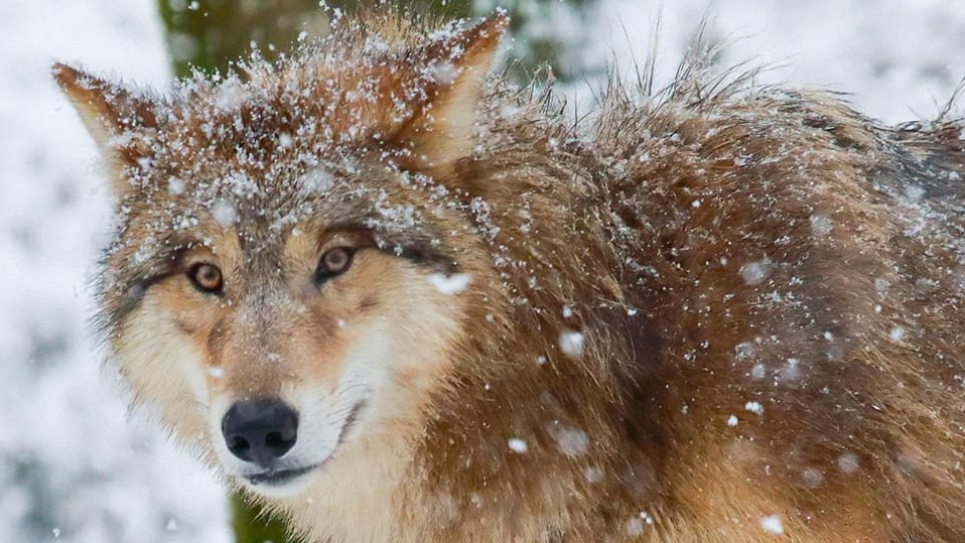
260, 431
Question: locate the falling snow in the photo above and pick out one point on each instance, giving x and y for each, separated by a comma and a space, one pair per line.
820, 225
444, 73
848, 463
316, 181
450, 284
635, 527
571, 343
225, 213
772, 524
135, 486
754, 273
571, 441
594, 474
518, 445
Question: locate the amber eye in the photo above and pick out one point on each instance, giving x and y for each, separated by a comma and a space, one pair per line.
207, 278
333, 262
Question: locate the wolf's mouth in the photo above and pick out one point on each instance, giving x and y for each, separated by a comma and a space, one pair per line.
281, 477
278, 477
350, 421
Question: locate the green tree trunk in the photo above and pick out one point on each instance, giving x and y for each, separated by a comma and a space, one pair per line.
211, 34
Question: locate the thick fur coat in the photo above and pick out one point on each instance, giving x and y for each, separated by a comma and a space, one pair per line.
718, 312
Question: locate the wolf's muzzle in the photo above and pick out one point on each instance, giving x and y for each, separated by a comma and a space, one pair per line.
260, 431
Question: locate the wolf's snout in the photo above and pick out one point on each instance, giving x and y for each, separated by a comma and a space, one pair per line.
260, 431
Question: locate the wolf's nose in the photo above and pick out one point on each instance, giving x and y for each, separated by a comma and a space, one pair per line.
260, 431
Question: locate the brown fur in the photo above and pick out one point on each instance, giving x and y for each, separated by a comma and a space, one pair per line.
714, 248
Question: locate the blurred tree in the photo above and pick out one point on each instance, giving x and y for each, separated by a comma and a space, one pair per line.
209, 35
543, 28
251, 524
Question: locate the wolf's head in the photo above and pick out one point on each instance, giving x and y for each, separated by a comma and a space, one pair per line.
294, 263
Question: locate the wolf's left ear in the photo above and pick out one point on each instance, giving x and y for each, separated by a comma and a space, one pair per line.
453, 69
116, 117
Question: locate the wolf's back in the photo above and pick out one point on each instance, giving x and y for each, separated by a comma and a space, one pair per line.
810, 265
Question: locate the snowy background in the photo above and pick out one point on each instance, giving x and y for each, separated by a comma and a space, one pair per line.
73, 465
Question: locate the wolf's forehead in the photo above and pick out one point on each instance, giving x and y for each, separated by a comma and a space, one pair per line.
253, 139
262, 211
312, 109
273, 200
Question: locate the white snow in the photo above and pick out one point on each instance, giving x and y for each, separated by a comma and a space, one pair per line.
792, 370
882, 285
812, 478
848, 463
571, 441
754, 407
450, 284
899, 59
175, 186
444, 73
754, 273
80, 469
914, 194
593, 474
635, 526
317, 180
820, 225
571, 343
518, 446
772, 524
225, 213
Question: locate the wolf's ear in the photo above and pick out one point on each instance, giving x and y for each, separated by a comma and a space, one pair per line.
453, 69
120, 120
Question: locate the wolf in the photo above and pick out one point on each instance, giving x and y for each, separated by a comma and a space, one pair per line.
396, 298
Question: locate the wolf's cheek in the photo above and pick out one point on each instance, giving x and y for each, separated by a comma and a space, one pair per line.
164, 366
400, 352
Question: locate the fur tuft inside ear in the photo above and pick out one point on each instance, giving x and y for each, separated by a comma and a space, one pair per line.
454, 68
111, 113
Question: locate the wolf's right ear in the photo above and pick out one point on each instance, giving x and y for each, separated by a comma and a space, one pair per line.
120, 120
442, 83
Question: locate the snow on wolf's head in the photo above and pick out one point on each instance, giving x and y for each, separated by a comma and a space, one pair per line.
293, 262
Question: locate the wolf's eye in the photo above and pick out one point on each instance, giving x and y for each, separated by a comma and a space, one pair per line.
207, 278
333, 262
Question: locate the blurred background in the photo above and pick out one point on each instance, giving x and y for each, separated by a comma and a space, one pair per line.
74, 464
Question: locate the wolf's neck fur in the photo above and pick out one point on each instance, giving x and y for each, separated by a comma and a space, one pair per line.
532, 416
535, 419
